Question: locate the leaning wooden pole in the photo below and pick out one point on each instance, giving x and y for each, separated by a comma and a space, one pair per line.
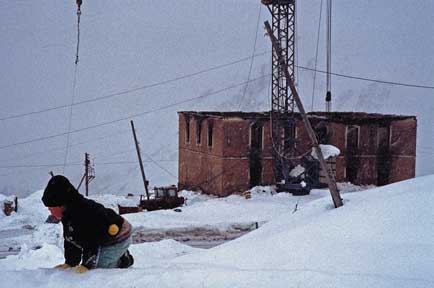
337, 200
145, 182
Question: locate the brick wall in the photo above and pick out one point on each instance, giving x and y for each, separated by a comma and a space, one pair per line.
224, 167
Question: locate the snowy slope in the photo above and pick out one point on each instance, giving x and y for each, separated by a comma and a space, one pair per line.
133, 44
381, 237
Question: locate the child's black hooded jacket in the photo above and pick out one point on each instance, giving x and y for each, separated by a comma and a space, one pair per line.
85, 222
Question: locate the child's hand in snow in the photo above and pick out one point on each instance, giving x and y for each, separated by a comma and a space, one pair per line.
62, 266
80, 269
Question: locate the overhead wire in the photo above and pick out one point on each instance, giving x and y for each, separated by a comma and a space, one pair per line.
133, 115
160, 166
68, 134
127, 91
207, 70
328, 97
252, 58
74, 85
369, 79
117, 133
316, 56
79, 164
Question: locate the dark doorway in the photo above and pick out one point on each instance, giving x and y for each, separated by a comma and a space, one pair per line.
383, 156
352, 153
255, 162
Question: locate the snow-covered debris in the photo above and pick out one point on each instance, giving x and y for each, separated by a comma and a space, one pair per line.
347, 187
297, 171
381, 237
327, 151
263, 191
45, 256
193, 197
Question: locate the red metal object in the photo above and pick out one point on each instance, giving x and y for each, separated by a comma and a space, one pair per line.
125, 209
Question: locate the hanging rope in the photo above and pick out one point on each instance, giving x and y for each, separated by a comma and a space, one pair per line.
78, 30
329, 56
316, 56
74, 86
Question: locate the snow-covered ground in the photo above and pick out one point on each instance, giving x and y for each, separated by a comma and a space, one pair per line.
381, 237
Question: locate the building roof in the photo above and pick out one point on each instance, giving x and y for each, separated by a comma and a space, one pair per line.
344, 117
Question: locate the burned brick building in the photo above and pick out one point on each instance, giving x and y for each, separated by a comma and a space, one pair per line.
222, 153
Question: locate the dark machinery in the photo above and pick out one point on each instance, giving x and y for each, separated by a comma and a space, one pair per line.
165, 197
282, 102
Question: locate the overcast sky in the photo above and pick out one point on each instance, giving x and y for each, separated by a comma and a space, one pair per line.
131, 44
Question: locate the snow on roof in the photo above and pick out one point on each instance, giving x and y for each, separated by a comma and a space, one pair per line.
328, 116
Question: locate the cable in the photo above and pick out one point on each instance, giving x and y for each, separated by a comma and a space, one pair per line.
251, 60
74, 87
161, 83
369, 79
161, 167
39, 165
329, 43
316, 55
117, 133
134, 115
79, 164
146, 154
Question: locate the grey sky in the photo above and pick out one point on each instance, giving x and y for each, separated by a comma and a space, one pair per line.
131, 44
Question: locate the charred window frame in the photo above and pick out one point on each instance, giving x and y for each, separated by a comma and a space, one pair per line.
210, 133
384, 134
322, 133
256, 137
352, 137
187, 130
198, 131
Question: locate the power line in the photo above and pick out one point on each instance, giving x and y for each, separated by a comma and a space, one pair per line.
39, 165
117, 133
161, 167
133, 115
79, 164
369, 79
316, 55
74, 88
127, 91
253, 56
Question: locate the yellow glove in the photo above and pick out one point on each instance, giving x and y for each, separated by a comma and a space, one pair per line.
113, 229
62, 266
80, 269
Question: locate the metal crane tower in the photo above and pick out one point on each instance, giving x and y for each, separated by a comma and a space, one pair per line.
282, 101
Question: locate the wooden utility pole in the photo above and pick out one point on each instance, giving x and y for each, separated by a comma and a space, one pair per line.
89, 174
145, 182
86, 172
337, 200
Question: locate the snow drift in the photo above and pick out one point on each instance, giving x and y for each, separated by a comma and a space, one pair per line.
381, 237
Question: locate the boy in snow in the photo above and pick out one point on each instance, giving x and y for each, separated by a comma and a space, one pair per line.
94, 235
